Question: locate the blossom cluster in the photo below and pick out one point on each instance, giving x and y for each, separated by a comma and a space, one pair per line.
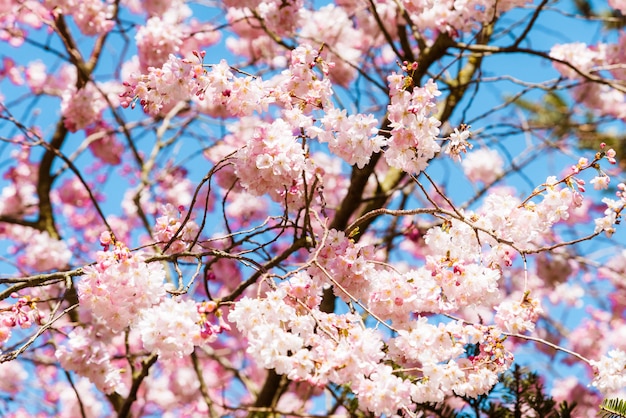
281, 17
87, 354
505, 218
612, 213
346, 263
13, 375
251, 42
81, 108
458, 143
413, 140
453, 17
24, 313
104, 146
41, 80
332, 25
353, 138
157, 40
300, 87
93, 17
224, 95
517, 317
287, 333
443, 285
168, 30
315, 346
615, 269
19, 196
578, 61
119, 286
446, 364
329, 25
168, 224
284, 322
610, 372
121, 291
177, 79
36, 250
218, 90
16, 17
272, 161
171, 328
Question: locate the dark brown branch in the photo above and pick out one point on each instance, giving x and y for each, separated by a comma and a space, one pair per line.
459, 86
267, 396
386, 34
124, 411
203, 387
45, 180
298, 244
80, 401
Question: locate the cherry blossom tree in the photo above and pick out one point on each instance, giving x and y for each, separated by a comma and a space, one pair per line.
301, 208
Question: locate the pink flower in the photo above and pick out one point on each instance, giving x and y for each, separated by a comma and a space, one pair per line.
518, 317
170, 328
87, 354
83, 107
579, 55
484, 165
120, 286
156, 41
353, 138
610, 372
600, 182
272, 161
457, 144
104, 145
13, 375
412, 143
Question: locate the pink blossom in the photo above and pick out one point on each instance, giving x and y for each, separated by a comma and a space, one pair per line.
11, 71
36, 250
88, 355
104, 145
93, 17
169, 224
353, 138
412, 143
157, 40
120, 286
578, 55
484, 165
271, 162
610, 372
332, 25
518, 317
83, 107
160, 7
66, 393
170, 329
457, 144
19, 196
600, 182
607, 223
14, 375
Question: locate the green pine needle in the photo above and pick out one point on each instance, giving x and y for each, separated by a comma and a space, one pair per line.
613, 408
